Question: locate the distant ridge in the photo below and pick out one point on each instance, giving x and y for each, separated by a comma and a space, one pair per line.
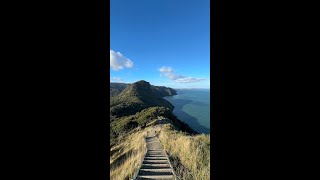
128, 99
116, 88
193, 88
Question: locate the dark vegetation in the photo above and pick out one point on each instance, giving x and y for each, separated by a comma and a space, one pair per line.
116, 88
123, 125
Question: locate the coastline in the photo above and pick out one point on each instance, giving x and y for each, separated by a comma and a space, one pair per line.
196, 122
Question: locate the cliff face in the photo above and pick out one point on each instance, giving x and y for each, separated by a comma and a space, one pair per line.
163, 91
136, 97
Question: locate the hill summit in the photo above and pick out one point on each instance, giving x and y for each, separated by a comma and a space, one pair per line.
138, 96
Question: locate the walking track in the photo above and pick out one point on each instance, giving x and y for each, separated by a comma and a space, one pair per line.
156, 164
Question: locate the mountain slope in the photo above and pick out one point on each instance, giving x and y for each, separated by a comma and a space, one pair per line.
117, 88
163, 91
138, 96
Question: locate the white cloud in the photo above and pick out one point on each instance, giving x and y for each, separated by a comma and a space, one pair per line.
169, 72
118, 61
116, 79
165, 69
189, 79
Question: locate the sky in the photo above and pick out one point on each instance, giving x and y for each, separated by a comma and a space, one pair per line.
164, 42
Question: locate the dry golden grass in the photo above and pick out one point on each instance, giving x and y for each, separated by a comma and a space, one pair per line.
125, 157
189, 155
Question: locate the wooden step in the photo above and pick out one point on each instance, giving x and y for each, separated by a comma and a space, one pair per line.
155, 162
155, 166
156, 158
157, 172
156, 155
156, 151
148, 177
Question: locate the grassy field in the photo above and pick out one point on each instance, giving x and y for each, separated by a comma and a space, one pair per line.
189, 155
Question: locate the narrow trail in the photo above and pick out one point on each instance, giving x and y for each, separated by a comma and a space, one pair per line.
156, 164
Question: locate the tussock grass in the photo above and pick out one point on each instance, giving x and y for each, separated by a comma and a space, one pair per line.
125, 157
189, 155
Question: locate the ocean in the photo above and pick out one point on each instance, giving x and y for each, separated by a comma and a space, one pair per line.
192, 106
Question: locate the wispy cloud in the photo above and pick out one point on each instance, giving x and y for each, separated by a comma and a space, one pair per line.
169, 72
188, 79
116, 79
118, 61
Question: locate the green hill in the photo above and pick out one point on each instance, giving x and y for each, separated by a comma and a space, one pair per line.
117, 88
136, 97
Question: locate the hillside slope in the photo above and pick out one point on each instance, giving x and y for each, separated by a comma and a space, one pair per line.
117, 88
136, 97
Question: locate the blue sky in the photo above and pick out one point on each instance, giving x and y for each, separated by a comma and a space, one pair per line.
165, 42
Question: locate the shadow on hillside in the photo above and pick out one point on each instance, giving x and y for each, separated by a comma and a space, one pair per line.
193, 122
179, 168
116, 151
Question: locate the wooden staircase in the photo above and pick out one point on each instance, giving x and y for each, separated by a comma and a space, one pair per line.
156, 164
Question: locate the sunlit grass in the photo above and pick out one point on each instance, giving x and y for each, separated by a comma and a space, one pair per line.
125, 157
189, 155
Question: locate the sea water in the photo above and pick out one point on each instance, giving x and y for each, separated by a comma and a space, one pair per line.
192, 106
